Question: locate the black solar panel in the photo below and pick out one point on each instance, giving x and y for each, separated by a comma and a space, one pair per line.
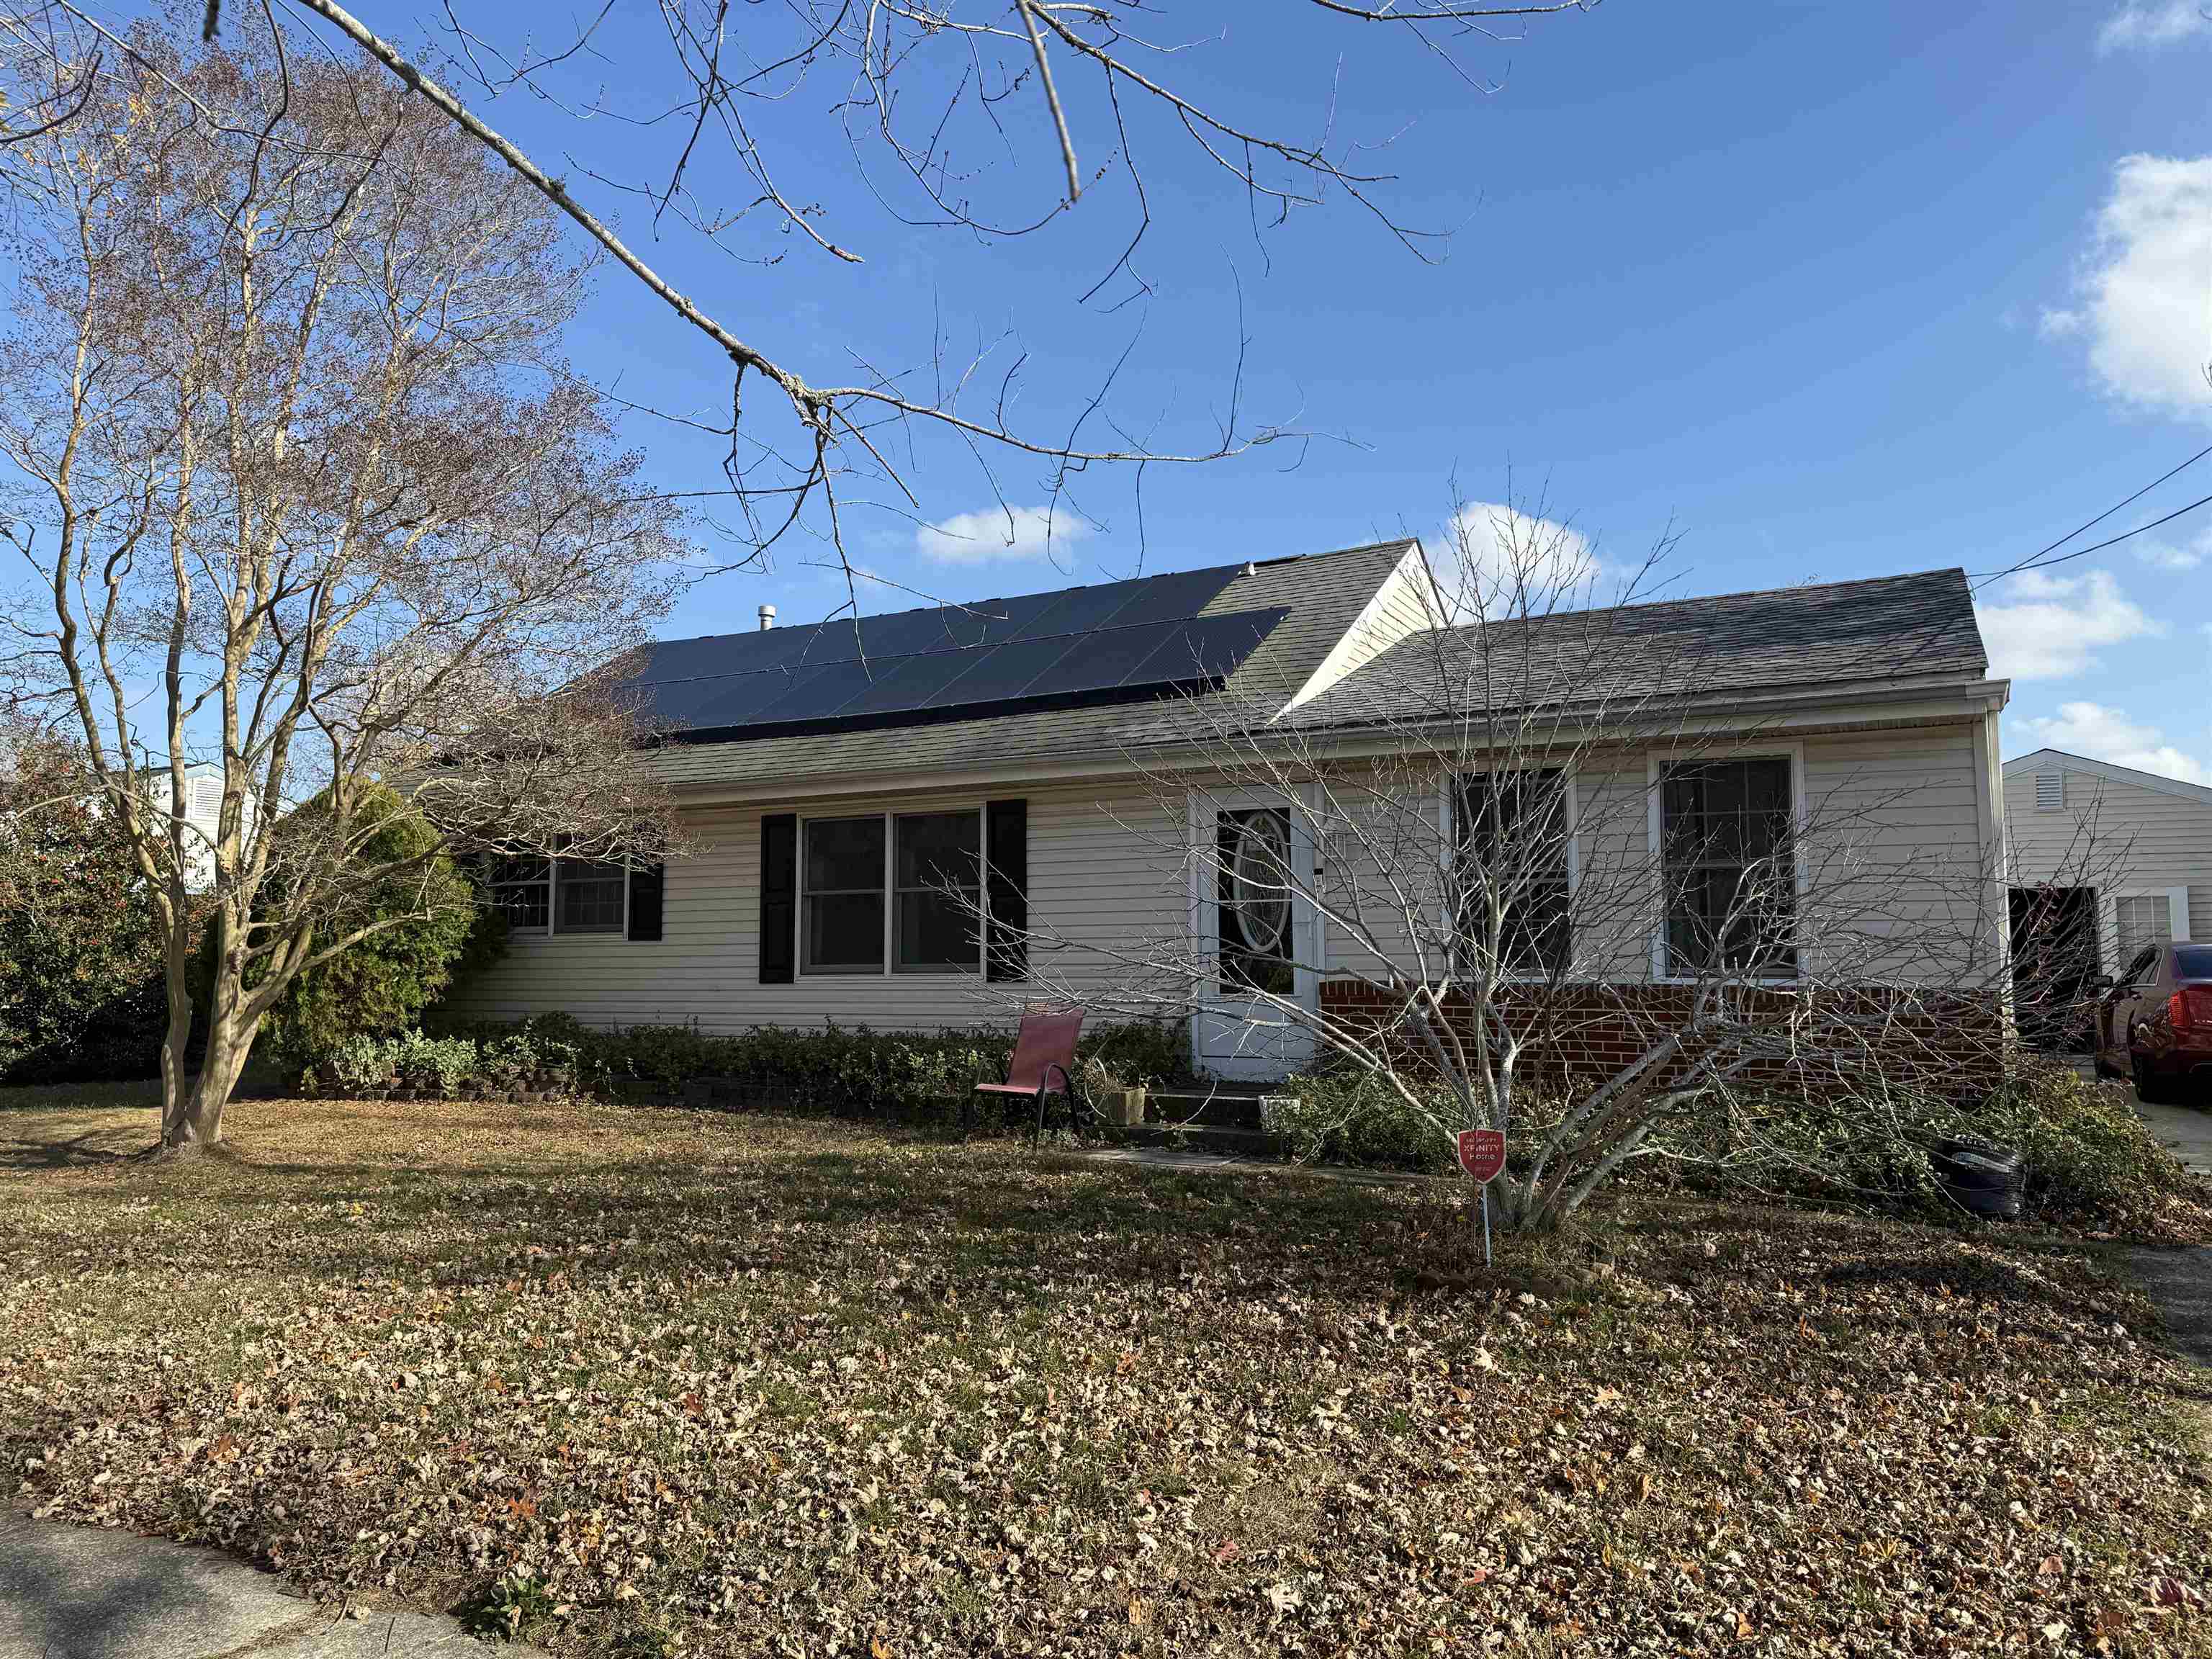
917, 664
1003, 672
1174, 597
1102, 660
911, 682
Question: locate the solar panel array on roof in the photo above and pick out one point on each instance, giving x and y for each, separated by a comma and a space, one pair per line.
1119, 638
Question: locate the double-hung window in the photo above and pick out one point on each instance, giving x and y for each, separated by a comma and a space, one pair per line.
1511, 873
938, 873
1730, 868
840, 922
902, 889
560, 896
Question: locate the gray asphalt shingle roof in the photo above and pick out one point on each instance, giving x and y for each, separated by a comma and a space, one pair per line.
1832, 636
1323, 594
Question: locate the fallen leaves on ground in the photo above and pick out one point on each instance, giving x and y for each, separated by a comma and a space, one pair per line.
643, 1381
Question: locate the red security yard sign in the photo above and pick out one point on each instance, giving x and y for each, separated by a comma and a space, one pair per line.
1482, 1153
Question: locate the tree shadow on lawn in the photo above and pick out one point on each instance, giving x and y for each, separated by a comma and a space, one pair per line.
69, 1153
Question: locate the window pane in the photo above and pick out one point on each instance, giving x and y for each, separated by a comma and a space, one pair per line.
2146, 919
1731, 879
937, 933
844, 932
519, 891
524, 906
1513, 853
843, 855
937, 848
1254, 901
590, 897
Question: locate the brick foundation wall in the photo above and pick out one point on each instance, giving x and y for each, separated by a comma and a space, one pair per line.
1949, 1044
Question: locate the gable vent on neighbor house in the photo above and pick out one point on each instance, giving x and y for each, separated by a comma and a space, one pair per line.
2050, 792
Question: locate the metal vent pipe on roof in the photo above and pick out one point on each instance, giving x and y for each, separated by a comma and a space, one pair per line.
766, 617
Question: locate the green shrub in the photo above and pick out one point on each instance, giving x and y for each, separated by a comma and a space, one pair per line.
2091, 1159
82, 991
1345, 1116
832, 1069
435, 928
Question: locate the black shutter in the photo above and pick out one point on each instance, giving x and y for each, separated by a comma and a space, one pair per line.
1007, 858
778, 896
648, 883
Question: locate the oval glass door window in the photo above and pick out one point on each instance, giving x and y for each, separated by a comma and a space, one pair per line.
1255, 901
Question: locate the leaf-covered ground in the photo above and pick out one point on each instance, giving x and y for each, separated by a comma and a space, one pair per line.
651, 1381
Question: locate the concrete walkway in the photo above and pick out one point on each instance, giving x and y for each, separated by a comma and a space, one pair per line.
2184, 1131
85, 1593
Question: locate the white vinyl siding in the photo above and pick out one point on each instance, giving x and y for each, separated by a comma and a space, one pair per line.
1088, 874
1105, 865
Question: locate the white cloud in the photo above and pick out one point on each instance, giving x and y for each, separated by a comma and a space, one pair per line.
2145, 310
2150, 23
1000, 532
2169, 555
1491, 552
2049, 627
2107, 734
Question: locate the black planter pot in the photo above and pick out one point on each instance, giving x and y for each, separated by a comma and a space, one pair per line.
1980, 1176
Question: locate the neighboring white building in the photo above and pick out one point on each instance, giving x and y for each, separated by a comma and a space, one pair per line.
2137, 847
203, 813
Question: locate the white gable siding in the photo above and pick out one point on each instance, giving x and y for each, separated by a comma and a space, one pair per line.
2119, 836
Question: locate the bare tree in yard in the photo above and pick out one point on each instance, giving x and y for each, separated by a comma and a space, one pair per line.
1460, 842
303, 488
801, 132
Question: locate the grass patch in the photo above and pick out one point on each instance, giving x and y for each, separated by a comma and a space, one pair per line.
651, 1382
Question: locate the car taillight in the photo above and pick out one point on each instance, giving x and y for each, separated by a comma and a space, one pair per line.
2189, 1009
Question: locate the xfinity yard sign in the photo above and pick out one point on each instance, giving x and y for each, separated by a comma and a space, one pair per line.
1482, 1153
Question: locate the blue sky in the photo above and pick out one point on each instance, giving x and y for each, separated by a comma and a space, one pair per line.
1832, 291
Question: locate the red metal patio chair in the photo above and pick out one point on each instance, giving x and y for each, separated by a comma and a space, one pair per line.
1045, 1046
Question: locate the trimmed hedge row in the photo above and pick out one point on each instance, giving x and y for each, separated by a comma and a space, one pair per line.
834, 1070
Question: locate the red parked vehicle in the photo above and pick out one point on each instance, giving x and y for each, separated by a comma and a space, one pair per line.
2154, 1024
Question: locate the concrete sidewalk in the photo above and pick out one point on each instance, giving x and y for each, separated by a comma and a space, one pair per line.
2182, 1130
86, 1593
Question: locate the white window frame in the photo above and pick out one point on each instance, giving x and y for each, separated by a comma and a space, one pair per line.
1448, 827
890, 815
2108, 918
1655, 763
551, 883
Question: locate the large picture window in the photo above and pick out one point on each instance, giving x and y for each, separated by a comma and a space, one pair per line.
1511, 864
1730, 868
841, 920
938, 872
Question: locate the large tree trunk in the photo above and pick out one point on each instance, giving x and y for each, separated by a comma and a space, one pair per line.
197, 1120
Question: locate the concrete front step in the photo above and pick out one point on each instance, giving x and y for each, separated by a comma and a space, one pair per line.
1224, 1142
1220, 1109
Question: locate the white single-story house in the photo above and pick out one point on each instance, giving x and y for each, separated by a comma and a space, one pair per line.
822, 772
2131, 850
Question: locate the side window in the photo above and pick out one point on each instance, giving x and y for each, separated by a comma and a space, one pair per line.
2138, 969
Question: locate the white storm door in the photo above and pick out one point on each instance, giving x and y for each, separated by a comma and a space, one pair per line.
1256, 935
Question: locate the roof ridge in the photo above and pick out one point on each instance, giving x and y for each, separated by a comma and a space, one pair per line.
1959, 571
1238, 565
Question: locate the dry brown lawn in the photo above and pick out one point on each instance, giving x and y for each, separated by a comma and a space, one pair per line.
637, 1382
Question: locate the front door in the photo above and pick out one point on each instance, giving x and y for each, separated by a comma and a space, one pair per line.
1256, 935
